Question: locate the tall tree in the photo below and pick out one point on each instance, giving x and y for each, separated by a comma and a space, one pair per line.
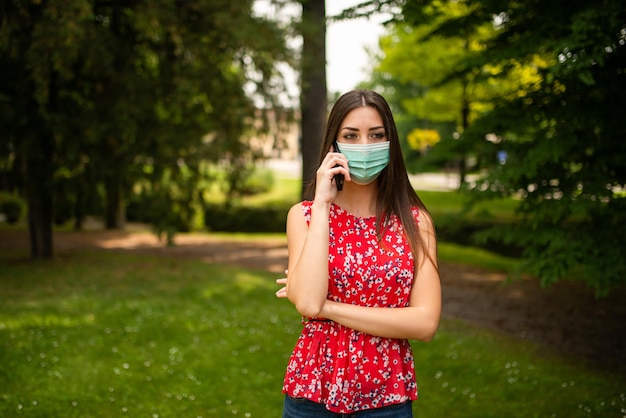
116, 92
313, 95
562, 128
412, 56
564, 135
35, 59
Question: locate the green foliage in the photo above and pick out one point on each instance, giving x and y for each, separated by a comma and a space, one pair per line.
412, 55
236, 218
254, 206
246, 179
561, 127
261, 181
101, 90
171, 201
397, 92
104, 334
461, 221
448, 97
264, 211
11, 206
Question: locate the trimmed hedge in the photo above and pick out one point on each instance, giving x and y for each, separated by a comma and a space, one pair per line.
230, 218
462, 231
272, 218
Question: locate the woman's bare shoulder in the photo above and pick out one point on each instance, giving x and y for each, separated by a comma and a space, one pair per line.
297, 208
299, 213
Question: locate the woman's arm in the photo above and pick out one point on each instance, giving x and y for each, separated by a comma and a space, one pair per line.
418, 321
307, 278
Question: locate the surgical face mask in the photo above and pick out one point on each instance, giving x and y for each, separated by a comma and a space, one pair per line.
365, 161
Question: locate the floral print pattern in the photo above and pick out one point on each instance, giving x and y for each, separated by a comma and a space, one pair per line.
344, 369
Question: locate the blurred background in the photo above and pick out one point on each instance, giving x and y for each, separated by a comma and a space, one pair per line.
176, 121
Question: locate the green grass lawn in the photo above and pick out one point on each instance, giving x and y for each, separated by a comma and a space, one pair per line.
102, 334
442, 204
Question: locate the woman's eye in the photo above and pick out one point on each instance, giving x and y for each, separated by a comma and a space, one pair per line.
349, 136
378, 135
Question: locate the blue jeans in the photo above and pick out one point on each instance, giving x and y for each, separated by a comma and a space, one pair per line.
303, 408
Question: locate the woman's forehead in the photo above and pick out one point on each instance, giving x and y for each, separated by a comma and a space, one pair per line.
361, 116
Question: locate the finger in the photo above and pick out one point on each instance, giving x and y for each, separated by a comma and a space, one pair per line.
341, 169
339, 160
334, 165
334, 158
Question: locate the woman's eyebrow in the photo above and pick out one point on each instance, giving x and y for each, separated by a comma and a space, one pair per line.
356, 129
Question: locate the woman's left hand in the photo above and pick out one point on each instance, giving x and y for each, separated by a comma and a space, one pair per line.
282, 292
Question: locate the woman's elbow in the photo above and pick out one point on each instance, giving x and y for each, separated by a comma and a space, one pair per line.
306, 308
427, 331
429, 336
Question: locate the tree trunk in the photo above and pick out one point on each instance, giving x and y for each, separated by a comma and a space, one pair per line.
115, 215
313, 99
465, 112
39, 174
465, 124
79, 205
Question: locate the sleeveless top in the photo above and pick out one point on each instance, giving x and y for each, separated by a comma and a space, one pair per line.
344, 369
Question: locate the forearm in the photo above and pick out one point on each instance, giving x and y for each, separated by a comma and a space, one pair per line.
416, 323
307, 284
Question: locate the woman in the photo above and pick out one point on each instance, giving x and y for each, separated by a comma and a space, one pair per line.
362, 272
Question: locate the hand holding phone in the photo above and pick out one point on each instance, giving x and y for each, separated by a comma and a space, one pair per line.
339, 178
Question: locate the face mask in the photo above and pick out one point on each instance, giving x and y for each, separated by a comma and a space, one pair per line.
365, 161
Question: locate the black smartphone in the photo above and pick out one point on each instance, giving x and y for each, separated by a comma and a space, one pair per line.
339, 178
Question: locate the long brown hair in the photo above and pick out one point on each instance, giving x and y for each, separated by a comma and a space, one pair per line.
396, 196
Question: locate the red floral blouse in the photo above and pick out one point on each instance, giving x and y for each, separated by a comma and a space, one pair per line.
344, 369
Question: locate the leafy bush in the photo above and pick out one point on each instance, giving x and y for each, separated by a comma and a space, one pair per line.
11, 206
230, 218
471, 232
